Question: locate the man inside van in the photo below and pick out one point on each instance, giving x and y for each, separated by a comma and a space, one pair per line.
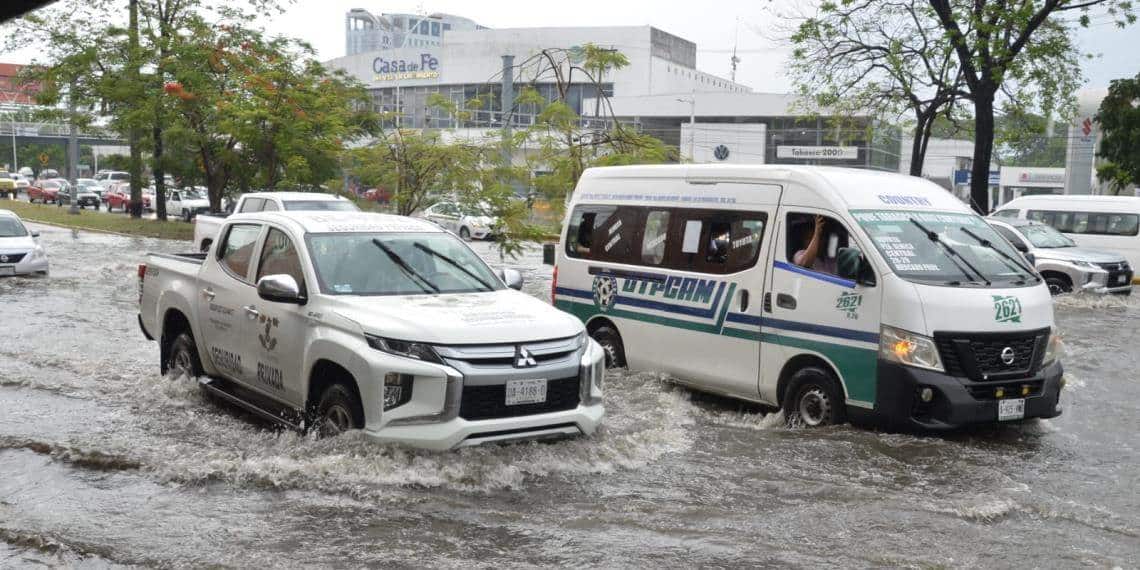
811, 240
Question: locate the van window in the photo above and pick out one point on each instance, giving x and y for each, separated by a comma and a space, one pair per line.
802, 234
1091, 223
654, 237
606, 233
726, 242
1006, 214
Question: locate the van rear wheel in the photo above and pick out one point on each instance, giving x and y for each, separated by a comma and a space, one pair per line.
813, 399
610, 341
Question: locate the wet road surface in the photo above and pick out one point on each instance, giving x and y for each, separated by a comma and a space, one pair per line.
104, 463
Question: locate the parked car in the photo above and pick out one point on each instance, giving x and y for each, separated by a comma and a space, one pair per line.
108, 178
22, 182
20, 253
118, 196
1066, 267
84, 197
466, 222
187, 202
1102, 222
384, 324
206, 226
45, 191
90, 185
28, 173
378, 195
7, 185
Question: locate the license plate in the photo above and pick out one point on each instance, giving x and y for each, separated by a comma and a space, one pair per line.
1013, 409
7, 269
526, 392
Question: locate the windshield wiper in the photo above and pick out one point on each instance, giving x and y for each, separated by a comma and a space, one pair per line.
951, 253
399, 261
453, 263
1008, 258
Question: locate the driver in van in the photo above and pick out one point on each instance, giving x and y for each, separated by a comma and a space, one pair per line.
809, 256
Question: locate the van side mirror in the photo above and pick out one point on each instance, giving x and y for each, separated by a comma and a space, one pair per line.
280, 288
850, 264
512, 278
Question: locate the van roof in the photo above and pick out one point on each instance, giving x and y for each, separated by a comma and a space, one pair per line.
856, 188
341, 222
295, 195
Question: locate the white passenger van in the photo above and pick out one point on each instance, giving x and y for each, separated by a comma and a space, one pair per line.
1099, 222
908, 308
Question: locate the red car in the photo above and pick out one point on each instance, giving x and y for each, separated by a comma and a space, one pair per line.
45, 191
378, 195
119, 196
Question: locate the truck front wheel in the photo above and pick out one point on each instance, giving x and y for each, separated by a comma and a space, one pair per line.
339, 411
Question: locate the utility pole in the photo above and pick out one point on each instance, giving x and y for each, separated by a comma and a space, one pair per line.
506, 105
72, 151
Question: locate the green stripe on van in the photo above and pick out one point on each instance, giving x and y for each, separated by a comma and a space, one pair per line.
858, 366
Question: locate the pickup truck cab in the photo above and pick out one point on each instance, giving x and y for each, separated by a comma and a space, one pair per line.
344, 320
188, 202
206, 228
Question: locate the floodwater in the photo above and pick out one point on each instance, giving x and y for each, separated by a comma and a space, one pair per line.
104, 463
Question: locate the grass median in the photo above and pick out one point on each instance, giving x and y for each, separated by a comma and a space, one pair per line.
96, 221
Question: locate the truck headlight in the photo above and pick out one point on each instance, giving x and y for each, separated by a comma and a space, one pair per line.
905, 347
1088, 264
407, 349
1053, 348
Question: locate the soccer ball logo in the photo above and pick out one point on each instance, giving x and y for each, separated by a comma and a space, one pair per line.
605, 292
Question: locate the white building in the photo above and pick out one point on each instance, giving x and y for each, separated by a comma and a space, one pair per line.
365, 32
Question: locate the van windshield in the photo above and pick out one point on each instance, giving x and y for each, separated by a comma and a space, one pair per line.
398, 264
944, 248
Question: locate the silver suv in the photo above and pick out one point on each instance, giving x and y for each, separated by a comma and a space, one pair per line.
1066, 267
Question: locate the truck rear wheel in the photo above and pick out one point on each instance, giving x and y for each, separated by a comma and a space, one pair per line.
813, 399
182, 357
338, 411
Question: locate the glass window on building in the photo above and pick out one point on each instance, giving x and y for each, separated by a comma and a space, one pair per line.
435, 29
424, 29
447, 27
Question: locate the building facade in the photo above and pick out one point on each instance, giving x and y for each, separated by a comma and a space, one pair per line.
367, 32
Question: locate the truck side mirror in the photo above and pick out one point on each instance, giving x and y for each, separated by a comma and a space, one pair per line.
512, 278
280, 288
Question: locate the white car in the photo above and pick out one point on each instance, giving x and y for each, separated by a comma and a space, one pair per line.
465, 222
188, 202
20, 254
335, 321
206, 226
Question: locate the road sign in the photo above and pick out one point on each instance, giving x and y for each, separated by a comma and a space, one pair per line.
44, 158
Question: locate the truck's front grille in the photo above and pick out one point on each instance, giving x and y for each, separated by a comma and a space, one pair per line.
489, 402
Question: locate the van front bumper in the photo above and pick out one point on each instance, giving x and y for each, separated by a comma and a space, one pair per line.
958, 401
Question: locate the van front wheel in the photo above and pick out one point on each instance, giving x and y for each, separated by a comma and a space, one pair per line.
813, 399
610, 341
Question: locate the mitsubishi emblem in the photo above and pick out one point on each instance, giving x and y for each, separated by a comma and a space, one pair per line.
523, 358
1007, 355
3, 259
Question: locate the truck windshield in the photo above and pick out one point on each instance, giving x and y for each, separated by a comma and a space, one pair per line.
397, 264
952, 253
320, 205
1044, 236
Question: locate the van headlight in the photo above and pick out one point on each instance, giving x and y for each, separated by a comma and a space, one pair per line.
407, 349
1053, 348
905, 347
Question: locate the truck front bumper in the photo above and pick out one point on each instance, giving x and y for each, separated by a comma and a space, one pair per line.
958, 401
458, 432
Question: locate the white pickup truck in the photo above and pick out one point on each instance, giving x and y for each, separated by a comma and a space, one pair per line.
335, 321
206, 226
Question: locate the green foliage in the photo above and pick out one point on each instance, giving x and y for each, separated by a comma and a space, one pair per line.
1119, 118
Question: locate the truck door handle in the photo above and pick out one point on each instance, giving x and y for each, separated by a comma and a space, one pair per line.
785, 301
251, 311
209, 294
743, 300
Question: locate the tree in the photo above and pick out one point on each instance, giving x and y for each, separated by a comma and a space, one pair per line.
418, 167
1022, 50
1119, 119
880, 57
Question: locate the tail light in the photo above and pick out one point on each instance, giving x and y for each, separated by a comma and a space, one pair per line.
554, 285
142, 276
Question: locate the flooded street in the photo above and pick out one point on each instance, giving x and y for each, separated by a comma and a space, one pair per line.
103, 462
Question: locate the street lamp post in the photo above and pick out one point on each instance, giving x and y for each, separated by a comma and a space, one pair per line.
73, 151
692, 101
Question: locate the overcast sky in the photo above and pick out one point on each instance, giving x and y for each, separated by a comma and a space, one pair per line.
711, 24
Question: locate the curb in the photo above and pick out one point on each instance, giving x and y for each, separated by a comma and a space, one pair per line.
96, 230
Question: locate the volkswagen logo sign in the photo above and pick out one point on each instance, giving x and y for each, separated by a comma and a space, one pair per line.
720, 152
523, 358
1008, 356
